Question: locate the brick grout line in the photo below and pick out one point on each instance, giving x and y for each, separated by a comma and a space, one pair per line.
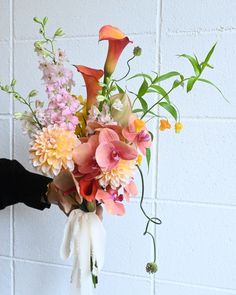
152, 200
196, 203
11, 71
58, 265
156, 172
78, 37
200, 31
187, 118
5, 116
119, 274
186, 202
202, 286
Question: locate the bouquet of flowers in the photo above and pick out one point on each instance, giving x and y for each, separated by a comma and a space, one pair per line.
95, 144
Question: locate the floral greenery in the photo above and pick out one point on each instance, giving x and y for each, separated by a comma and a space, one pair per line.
150, 84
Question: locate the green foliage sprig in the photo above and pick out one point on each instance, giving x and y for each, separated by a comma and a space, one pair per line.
10, 89
152, 85
46, 45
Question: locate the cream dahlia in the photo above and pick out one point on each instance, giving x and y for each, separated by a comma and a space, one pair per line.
51, 150
120, 175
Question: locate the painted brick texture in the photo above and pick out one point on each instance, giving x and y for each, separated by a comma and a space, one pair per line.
191, 185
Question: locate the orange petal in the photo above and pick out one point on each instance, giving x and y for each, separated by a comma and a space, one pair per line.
88, 189
117, 42
109, 32
91, 79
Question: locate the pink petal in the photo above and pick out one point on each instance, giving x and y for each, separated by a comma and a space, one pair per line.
130, 190
82, 154
102, 196
130, 136
107, 135
103, 156
93, 142
143, 145
125, 151
131, 125
114, 207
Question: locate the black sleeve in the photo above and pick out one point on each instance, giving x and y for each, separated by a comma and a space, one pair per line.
18, 185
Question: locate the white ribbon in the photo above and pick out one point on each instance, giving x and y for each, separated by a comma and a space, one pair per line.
84, 238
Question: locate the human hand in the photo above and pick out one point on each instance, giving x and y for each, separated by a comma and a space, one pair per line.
62, 192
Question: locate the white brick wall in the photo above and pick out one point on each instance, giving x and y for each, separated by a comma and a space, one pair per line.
191, 187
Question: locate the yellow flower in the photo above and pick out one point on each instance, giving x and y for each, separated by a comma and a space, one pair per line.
139, 159
164, 124
178, 127
139, 125
51, 150
82, 115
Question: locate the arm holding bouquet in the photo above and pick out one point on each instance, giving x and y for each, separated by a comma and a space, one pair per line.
37, 191
93, 146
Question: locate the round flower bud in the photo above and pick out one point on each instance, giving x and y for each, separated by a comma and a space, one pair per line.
151, 267
137, 51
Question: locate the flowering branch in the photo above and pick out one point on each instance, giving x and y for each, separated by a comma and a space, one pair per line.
27, 101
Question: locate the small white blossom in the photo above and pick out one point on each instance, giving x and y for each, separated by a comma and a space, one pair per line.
118, 105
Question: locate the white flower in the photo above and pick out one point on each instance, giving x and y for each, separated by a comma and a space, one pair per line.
118, 105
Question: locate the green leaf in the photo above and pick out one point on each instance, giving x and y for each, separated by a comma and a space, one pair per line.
59, 32
212, 84
143, 104
33, 93
37, 20
191, 82
171, 109
137, 111
45, 20
13, 82
143, 88
141, 75
205, 63
148, 157
119, 89
177, 83
194, 63
165, 77
161, 91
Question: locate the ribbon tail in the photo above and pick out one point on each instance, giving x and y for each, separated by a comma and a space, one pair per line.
84, 238
98, 237
65, 250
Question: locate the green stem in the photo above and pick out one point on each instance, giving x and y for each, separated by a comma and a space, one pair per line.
172, 88
147, 111
154, 220
24, 101
128, 61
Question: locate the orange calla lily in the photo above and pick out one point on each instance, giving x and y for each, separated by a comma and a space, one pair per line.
88, 188
91, 79
117, 42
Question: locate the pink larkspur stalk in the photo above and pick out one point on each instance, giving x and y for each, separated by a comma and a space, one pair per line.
62, 105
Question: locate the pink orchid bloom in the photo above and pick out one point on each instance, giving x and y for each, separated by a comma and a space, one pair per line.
110, 202
111, 150
95, 126
130, 190
136, 132
84, 156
